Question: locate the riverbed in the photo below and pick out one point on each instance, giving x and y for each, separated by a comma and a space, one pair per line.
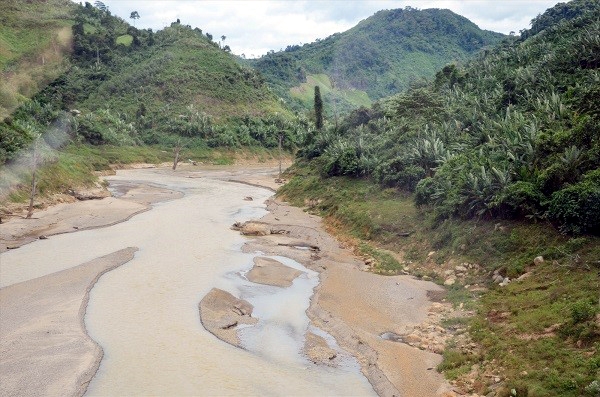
144, 313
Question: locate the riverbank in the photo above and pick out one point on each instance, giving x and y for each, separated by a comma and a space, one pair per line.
358, 307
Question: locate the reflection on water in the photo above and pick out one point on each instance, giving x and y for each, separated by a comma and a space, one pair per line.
144, 314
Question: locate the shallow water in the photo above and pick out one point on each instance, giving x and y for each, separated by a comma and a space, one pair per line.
144, 314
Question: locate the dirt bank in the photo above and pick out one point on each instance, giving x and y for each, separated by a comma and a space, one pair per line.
44, 347
133, 199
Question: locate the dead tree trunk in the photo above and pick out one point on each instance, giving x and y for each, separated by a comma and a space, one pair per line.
176, 151
33, 179
280, 141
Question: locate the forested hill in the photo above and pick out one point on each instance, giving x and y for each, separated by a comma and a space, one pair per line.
380, 56
513, 134
124, 86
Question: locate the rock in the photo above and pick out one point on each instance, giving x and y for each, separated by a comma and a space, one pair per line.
272, 272
450, 281
460, 268
221, 313
523, 276
504, 282
538, 260
248, 198
448, 272
318, 351
255, 229
91, 194
75, 112
498, 279
436, 307
412, 339
430, 254
42, 237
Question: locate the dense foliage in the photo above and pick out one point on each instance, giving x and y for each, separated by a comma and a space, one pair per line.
127, 86
380, 56
513, 134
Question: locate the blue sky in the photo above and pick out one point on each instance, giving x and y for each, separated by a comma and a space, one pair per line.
255, 27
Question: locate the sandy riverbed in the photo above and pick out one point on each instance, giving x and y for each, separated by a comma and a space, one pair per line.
354, 306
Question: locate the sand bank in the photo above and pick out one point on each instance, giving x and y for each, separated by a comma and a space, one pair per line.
133, 199
44, 347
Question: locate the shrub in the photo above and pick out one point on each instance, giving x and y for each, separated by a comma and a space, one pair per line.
399, 173
520, 199
424, 191
576, 209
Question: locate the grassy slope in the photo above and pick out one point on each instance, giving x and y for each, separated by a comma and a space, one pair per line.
536, 334
35, 38
381, 55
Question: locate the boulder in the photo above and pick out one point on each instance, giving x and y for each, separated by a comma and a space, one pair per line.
538, 260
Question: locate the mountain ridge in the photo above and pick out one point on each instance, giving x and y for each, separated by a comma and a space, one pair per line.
381, 55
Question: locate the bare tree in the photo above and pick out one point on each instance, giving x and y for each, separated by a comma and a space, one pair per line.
176, 151
34, 165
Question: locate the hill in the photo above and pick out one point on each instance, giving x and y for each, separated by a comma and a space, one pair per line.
125, 86
380, 56
492, 165
35, 38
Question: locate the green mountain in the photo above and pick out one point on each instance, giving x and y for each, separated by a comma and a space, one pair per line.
380, 56
494, 163
124, 86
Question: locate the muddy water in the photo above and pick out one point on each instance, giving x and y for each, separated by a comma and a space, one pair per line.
145, 313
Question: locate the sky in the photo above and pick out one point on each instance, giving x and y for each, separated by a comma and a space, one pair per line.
254, 27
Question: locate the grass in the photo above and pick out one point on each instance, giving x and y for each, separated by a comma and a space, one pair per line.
125, 40
540, 333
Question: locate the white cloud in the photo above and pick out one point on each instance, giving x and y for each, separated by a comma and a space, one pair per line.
253, 27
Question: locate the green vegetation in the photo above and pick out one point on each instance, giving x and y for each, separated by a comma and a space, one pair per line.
34, 40
381, 56
501, 158
542, 331
512, 135
133, 87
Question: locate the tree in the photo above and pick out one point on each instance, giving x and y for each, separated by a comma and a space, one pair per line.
318, 108
223, 39
134, 15
34, 166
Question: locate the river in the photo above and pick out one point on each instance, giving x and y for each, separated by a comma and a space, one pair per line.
144, 314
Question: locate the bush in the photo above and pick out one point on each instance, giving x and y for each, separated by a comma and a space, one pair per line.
399, 173
344, 162
520, 199
576, 209
424, 191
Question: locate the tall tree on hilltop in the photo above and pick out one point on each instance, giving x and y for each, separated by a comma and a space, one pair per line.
318, 108
134, 15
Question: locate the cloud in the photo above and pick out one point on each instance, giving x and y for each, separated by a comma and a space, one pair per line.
254, 27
